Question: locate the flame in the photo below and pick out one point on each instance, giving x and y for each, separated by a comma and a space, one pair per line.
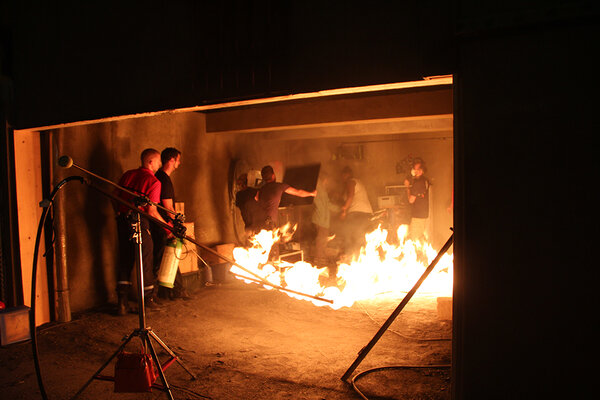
381, 270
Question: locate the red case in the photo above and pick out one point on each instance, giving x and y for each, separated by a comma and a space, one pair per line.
134, 373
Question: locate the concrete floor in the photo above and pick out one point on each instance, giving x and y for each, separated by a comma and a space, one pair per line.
245, 342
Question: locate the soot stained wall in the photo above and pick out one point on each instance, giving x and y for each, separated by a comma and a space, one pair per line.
376, 169
203, 182
108, 150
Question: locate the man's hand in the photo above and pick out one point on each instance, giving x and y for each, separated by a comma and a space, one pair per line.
180, 229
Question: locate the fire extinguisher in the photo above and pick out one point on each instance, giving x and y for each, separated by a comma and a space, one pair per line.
170, 262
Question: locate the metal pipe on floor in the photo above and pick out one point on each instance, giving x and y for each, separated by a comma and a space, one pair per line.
277, 287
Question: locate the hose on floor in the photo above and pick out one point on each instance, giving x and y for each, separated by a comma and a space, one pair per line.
368, 371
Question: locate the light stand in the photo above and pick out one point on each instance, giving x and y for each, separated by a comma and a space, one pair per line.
143, 332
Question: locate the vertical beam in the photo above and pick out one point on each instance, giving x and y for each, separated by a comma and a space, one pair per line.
28, 184
11, 288
62, 291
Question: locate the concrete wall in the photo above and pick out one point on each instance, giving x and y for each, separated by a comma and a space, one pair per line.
108, 150
203, 182
377, 168
387, 127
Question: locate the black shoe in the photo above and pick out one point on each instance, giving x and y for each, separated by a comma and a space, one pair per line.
151, 303
123, 299
164, 293
122, 305
151, 299
180, 294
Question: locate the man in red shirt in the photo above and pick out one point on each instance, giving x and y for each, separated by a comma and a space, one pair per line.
142, 181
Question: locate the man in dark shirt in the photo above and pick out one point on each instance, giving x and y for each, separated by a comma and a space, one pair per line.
418, 197
268, 198
171, 159
142, 181
246, 202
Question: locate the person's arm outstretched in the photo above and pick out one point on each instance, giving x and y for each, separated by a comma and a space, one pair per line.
300, 193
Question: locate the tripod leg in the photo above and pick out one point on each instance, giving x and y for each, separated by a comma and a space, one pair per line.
121, 347
166, 348
161, 373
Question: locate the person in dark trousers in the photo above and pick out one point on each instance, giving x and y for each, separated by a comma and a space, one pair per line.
418, 197
142, 181
171, 159
268, 198
246, 202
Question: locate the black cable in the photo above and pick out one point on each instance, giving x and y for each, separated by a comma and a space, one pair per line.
401, 334
46, 204
368, 371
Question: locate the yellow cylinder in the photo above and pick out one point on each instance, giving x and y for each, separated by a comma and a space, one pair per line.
170, 262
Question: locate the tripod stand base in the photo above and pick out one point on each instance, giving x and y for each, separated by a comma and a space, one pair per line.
145, 334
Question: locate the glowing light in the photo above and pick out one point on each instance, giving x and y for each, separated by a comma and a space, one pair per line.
382, 269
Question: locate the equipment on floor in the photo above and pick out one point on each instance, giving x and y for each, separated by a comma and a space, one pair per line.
143, 331
134, 372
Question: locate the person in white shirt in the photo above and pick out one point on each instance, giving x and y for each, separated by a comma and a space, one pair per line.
356, 213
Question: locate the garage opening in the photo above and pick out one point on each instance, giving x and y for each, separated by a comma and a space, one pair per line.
383, 137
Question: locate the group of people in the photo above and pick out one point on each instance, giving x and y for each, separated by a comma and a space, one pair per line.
152, 180
357, 214
259, 208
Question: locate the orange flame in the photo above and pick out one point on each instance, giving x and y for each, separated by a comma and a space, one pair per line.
382, 269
